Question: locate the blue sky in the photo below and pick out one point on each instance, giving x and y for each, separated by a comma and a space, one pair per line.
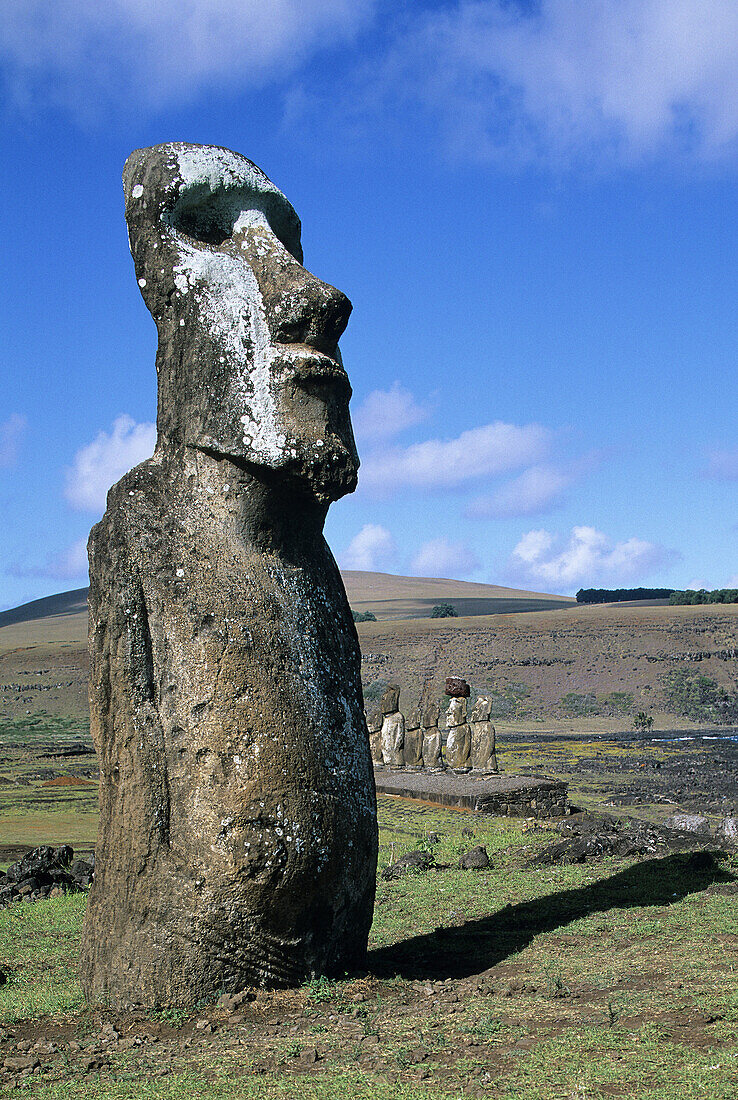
531, 205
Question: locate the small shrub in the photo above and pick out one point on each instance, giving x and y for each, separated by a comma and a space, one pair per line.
579, 705
642, 721
374, 691
363, 616
700, 698
444, 611
508, 702
323, 990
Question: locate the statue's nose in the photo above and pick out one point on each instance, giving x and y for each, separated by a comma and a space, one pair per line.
306, 310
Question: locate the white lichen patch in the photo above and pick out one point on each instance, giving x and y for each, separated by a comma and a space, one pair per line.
137, 191
231, 308
218, 169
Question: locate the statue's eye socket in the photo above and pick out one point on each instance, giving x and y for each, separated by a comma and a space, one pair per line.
207, 222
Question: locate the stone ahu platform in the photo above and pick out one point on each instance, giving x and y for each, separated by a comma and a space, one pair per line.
502, 795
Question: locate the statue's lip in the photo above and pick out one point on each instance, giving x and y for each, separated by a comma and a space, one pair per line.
304, 364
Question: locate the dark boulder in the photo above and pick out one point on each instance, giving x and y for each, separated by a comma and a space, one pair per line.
476, 859
412, 862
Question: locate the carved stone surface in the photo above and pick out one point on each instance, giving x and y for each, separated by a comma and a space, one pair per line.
414, 720
432, 743
413, 748
432, 758
458, 747
431, 714
390, 701
393, 740
374, 726
483, 758
237, 842
481, 709
374, 721
456, 713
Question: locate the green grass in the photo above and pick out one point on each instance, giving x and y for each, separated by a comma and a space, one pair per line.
564, 983
38, 948
334, 1085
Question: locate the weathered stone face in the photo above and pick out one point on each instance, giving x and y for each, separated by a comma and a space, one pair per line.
390, 701
431, 749
393, 740
483, 757
237, 841
374, 725
481, 709
456, 713
248, 359
458, 748
431, 714
413, 748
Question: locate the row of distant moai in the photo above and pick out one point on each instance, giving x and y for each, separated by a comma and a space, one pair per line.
416, 742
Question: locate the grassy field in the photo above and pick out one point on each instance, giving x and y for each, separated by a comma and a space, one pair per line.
48, 783
584, 982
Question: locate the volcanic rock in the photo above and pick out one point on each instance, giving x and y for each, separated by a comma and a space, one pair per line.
457, 688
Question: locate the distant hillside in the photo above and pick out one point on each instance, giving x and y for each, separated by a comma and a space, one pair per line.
394, 597
64, 603
387, 595
573, 667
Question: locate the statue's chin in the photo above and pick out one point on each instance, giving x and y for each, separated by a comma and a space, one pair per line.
325, 473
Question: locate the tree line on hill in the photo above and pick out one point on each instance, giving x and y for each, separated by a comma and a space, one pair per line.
616, 595
702, 595
674, 596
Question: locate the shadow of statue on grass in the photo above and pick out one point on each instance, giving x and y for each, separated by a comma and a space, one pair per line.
477, 945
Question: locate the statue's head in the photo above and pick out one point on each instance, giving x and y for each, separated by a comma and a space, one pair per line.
248, 361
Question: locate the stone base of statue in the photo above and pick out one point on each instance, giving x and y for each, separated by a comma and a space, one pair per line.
538, 796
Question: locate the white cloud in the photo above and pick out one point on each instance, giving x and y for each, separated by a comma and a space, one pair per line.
722, 464
101, 463
370, 549
564, 78
441, 558
589, 557
385, 413
445, 463
533, 491
11, 431
164, 52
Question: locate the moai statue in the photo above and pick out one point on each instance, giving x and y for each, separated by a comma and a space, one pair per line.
374, 726
393, 728
432, 757
238, 840
413, 751
458, 740
483, 758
